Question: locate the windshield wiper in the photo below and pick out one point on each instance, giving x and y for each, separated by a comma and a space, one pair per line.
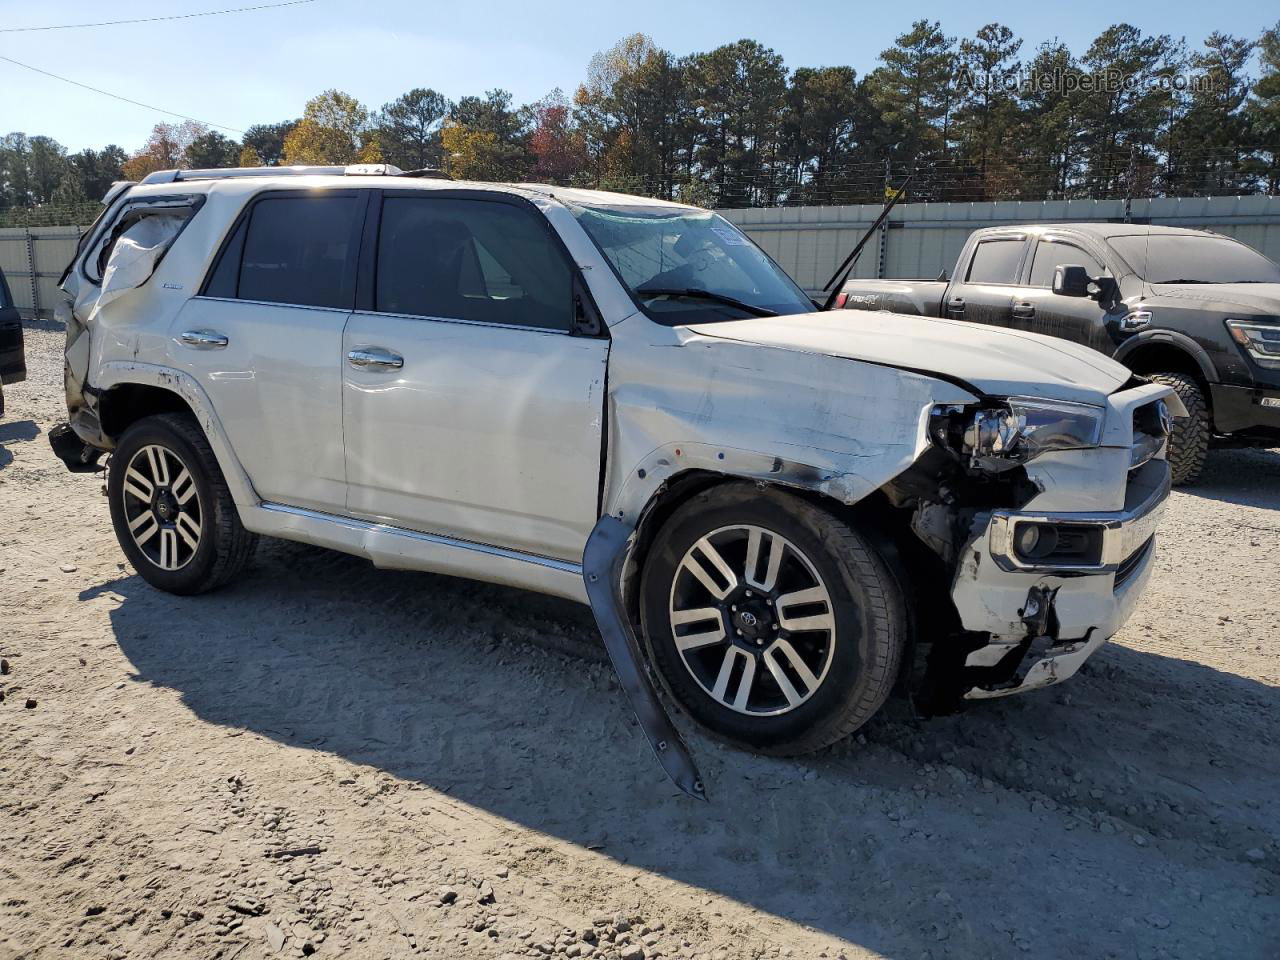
1183, 280
697, 293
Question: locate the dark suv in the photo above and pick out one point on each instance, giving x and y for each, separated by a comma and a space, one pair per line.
1190, 308
13, 364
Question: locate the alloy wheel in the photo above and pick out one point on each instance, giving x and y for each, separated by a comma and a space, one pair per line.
162, 507
752, 620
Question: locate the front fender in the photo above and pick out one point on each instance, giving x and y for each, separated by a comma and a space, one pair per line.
842, 428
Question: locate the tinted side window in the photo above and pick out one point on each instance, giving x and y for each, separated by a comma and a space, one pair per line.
1050, 256
471, 260
995, 261
298, 250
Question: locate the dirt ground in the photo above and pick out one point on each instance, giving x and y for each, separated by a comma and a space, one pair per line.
326, 758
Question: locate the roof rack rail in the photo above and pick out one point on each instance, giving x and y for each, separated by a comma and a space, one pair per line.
231, 173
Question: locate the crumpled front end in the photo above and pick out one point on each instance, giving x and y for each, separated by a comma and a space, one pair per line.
1031, 613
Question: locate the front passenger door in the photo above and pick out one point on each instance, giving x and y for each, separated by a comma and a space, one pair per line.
470, 409
1038, 309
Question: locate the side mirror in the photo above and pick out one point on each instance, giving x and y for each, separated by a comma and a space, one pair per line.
1070, 280
1103, 289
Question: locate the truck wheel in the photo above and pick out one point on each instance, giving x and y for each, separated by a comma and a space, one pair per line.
171, 508
774, 624
1189, 442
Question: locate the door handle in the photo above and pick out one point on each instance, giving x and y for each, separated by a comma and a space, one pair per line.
1024, 310
374, 358
204, 339
955, 305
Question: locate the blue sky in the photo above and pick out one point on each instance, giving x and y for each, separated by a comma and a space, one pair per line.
262, 67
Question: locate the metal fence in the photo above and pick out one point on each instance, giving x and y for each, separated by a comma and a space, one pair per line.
32, 259
923, 239
919, 239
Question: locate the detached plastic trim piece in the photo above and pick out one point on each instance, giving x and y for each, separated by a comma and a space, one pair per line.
603, 561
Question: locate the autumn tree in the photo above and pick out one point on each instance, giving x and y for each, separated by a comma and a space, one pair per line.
558, 150
165, 149
333, 130
484, 139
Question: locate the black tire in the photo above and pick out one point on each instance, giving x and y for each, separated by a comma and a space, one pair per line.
223, 546
1189, 442
866, 645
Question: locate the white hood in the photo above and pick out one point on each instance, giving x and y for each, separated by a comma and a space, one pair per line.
996, 361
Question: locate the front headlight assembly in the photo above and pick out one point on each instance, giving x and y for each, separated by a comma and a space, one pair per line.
999, 437
1261, 340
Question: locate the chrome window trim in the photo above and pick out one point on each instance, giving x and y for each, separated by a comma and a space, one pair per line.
271, 303
463, 320
563, 566
1123, 532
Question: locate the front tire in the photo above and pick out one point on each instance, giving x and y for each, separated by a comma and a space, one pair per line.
172, 511
775, 625
1189, 442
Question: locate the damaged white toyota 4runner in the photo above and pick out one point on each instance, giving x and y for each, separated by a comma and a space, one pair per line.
778, 511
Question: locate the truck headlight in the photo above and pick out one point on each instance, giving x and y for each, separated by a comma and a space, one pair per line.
998, 438
1262, 340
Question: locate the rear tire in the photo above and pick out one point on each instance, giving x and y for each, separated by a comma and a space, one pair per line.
1189, 442
171, 507
785, 656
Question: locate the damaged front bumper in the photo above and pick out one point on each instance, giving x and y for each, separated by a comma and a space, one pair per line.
1042, 620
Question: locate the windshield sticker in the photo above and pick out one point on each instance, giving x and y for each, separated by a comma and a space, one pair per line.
731, 237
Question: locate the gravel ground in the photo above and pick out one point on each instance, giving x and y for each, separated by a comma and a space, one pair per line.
326, 758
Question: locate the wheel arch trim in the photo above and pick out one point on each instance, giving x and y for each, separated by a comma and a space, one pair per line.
118, 373
1169, 338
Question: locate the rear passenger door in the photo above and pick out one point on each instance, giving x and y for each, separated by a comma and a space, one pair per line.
470, 408
1038, 309
983, 291
264, 336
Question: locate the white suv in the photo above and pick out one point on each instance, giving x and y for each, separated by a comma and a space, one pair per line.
780, 511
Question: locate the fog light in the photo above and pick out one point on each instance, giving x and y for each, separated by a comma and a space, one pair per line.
1035, 542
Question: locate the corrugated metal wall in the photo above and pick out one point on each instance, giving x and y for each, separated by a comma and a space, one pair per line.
923, 239
33, 259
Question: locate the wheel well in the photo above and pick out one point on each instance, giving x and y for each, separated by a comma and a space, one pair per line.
1166, 358
921, 575
124, 405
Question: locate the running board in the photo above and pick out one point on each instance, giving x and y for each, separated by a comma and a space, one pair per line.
602, 564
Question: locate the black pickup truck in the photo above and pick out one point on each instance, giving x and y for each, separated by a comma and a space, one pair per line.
13, 364
1193, 309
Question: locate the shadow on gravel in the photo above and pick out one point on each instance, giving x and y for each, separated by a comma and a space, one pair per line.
15, 432
1009, 825
1250, 478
